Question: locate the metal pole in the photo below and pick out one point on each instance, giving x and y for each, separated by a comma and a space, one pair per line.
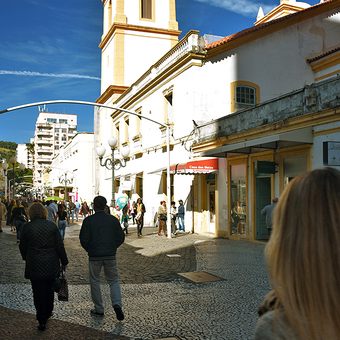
6, 197
113, 201
168, 184
13, 192
65, 186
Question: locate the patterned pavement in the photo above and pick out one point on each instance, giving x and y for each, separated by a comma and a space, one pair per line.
157, 302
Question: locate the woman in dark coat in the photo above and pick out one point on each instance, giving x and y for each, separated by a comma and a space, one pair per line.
20, 217
42, 248
9, 214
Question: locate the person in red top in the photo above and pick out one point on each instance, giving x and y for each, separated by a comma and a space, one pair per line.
85, 210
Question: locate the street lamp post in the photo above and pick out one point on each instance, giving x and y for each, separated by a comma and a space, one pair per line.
66, 181
112, 163
5, 167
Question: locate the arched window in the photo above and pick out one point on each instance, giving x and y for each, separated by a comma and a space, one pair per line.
245, 95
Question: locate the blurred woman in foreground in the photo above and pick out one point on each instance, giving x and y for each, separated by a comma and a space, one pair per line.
42, 248
303, 257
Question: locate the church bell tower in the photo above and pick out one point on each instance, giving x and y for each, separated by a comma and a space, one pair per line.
136, 33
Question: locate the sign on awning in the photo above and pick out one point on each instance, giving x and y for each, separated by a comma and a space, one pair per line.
201, 166
264, 167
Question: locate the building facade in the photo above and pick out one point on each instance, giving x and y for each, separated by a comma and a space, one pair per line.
76, 160
25, 156
52, 131
193, 87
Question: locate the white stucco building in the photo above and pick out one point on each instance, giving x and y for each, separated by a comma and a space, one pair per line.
76, 159
52, 131
24, 156
194, 86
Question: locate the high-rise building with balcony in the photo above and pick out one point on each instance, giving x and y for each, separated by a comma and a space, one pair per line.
24, 156
52, 130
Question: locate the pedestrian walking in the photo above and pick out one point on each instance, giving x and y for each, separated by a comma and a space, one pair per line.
62, 220
71, 211
134, 212
140, 216
101, 235
51, 215
54, 206
173, 218
3, 212
76, 209
125, 219
180, 215
303, 260
162, 218
9, 214
42, 248
19, 216
91, 208
268, 211
85, 210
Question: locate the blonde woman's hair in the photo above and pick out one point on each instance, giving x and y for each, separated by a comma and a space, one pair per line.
303, 254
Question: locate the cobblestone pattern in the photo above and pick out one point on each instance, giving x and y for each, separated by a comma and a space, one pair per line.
158, 303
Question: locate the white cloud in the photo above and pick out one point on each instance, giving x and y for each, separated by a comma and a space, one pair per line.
247, 8
53, 75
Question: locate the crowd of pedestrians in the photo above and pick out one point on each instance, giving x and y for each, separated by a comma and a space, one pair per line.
63, 213
302, 255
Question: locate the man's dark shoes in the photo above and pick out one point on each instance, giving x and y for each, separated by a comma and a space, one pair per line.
94, 312
119, 312
42, 326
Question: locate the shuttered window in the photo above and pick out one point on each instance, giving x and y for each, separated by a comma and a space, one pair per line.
146, 9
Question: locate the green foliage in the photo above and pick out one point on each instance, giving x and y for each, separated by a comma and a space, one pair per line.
8, 145
30, 148
6, 154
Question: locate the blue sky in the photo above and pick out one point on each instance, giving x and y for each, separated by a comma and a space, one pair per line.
49, 51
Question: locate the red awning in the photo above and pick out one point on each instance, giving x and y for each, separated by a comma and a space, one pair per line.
201, 166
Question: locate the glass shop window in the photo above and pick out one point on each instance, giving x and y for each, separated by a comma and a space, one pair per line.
238, 199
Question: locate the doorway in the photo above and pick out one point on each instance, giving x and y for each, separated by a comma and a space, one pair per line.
211, 211
263, 198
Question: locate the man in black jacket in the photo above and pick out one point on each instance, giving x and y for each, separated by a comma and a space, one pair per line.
101, 235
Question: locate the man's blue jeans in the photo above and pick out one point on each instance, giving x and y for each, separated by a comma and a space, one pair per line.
111, 275
181, 223
71, 215
77, 213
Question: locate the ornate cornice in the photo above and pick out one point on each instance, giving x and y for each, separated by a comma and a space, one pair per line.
110, 91
128, 27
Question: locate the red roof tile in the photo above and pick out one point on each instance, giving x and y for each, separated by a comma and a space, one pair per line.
258, 27
323, 55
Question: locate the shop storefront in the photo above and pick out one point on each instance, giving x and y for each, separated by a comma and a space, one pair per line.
257, 171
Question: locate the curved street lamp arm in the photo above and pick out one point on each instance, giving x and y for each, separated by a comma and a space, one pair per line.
81, 103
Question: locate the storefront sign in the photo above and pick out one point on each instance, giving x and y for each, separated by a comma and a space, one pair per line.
202, 166
125, 185
331, 153
264, 167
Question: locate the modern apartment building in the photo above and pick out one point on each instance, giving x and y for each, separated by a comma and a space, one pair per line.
52, 130
24, 155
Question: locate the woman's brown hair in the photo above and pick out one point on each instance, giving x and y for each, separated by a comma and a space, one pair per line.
37, 210
303, 254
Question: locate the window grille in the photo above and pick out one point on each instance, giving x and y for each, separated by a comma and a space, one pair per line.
245, 95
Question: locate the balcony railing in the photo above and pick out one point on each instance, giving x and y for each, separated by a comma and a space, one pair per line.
44, 150
44, 125
192, 43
